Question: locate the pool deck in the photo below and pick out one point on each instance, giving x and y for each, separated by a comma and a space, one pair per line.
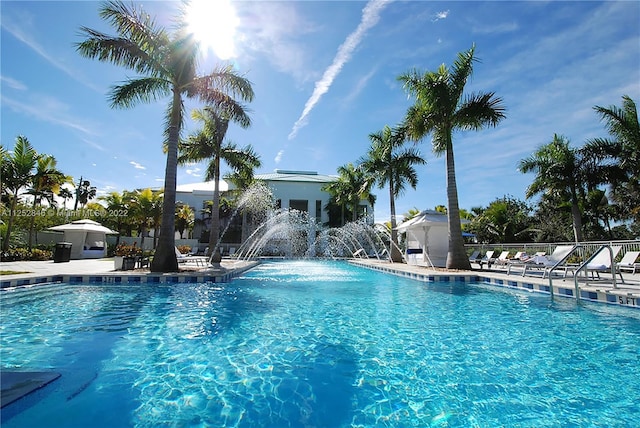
102, 270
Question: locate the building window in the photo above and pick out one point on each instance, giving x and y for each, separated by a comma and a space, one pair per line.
318, 209
278, 204
299, 205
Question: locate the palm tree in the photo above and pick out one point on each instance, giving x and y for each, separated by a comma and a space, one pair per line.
45, 183
339, 191
558, 170
624, 150
84, 193
65, 194
387, 162
17, 174
351, 187
118, 205
208, 144
185, 218
440, 109
146, 207
167, 64
410, 214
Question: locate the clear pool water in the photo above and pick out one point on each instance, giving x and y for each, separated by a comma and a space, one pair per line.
319, 344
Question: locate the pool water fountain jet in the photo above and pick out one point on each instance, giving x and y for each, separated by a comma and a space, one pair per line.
256, 200
294, 234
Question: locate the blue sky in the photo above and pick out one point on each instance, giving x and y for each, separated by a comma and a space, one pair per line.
324, 74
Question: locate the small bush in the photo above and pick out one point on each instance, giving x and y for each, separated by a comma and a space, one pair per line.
184, 249
125, 250
40, 255
20, 254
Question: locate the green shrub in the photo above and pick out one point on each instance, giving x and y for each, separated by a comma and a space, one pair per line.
16, 254
38, 254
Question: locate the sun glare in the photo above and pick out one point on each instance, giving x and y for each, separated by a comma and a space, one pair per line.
213, 23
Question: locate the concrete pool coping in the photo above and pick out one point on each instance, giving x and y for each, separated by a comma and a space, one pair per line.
102, 271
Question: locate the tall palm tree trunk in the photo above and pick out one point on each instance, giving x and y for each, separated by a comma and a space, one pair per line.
577, 216
12, 214
215, 209
396, 257
164, 259
32, 222
456, 256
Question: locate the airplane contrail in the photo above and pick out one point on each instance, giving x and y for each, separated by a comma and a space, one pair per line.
370, 17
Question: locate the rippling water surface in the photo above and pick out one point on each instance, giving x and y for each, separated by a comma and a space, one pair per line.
319, 344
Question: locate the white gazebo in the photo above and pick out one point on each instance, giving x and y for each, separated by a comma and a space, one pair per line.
88, 238
427, 238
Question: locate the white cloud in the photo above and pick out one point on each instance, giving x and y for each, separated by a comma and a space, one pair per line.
359, 86
49, 110
94, 145
136, 165
21, 27
195, 172
370, 17
13, 83
441, 15
270, 30
278, 157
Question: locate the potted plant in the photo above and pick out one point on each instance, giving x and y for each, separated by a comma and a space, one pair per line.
125, 256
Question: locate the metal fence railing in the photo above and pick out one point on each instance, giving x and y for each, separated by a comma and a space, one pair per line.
585, 251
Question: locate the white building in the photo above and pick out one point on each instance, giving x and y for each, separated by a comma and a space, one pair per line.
299, 190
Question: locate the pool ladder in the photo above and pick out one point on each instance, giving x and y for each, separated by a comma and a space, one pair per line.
583, 266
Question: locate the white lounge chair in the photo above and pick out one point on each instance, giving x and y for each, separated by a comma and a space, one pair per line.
486, 259
602, 261
546, 263
628, 262
502, 259
474, 257
186, 258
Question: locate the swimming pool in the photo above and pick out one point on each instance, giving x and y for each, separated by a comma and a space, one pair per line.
323, 344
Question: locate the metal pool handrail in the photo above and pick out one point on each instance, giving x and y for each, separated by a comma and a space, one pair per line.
584, 265
561, 262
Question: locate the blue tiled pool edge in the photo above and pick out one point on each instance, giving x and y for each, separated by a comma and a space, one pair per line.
609, 296
126, 278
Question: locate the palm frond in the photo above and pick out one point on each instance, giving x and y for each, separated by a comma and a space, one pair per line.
461, 71
480, 110
144, 89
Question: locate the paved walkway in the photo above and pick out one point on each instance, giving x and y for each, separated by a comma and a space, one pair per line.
82, 267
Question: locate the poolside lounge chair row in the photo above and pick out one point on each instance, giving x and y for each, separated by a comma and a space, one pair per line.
601, 262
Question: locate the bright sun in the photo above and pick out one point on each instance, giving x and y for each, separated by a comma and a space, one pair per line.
213, 23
